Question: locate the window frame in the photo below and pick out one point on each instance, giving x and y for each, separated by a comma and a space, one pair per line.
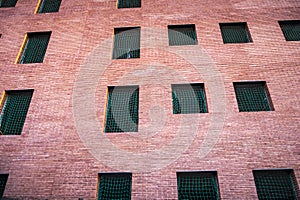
176, 28
242, 25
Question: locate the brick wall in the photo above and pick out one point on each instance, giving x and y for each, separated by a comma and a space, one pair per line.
63, 147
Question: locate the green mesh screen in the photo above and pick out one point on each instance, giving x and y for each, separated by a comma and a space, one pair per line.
182, 35
126, 43
188, 98
291, 30
129, 3
252, 97
8, 3
14, 111
197, 186
275, 184
35, 48
48, 6
3, 180
235, 33
114, 186
122, 109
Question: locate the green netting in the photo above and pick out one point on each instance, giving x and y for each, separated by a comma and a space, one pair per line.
252, 97
8, 3
48, 6
182, 35
3, 180
129, 3
35, 48
197, 186
275, 184
114, 186
126, 43
14, 111
188, 98
235, 33
122, 109
291, 30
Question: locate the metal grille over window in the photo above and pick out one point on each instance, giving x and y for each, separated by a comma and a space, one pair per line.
115, 186
276, 184
122, 109
252, 96
48, 6
3, 180
291, 30
188, 98
235, 33
35, 47
126, 43
129, 3
14, 111
182, 35
7, 3
197, 185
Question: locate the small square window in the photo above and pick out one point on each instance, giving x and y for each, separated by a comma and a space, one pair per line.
182, 35
48, 6
122, 114
34, 48
7, 3
235, 32
197, 185
126, 43
290, 30
14, 106
129, 3
189, 98
3, 180
252, 96
114, 186
276, 184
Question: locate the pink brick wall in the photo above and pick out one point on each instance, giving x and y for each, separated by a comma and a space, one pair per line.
59, 153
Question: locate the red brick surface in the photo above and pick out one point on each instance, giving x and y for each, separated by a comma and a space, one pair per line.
49, 160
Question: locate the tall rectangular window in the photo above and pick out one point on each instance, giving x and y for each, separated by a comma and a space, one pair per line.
8, 3
34, 48
290, 29
189, 98
235, 32
126, 43
182, 35
129, 3
3, 180
252, 96
114, 186
48, 6
276, 184
122, 113
197, 185
14, 106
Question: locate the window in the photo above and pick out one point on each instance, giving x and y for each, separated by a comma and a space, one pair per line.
34, 47
114, 186
197, 185
235, 32
3, 180
126, 43
182, 35
122, 109
129, 3
276, 184
48, 6
252, 96
188, 98
14, 106
8, 3
290, 29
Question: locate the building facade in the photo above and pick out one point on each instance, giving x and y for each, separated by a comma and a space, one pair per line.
118, 99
